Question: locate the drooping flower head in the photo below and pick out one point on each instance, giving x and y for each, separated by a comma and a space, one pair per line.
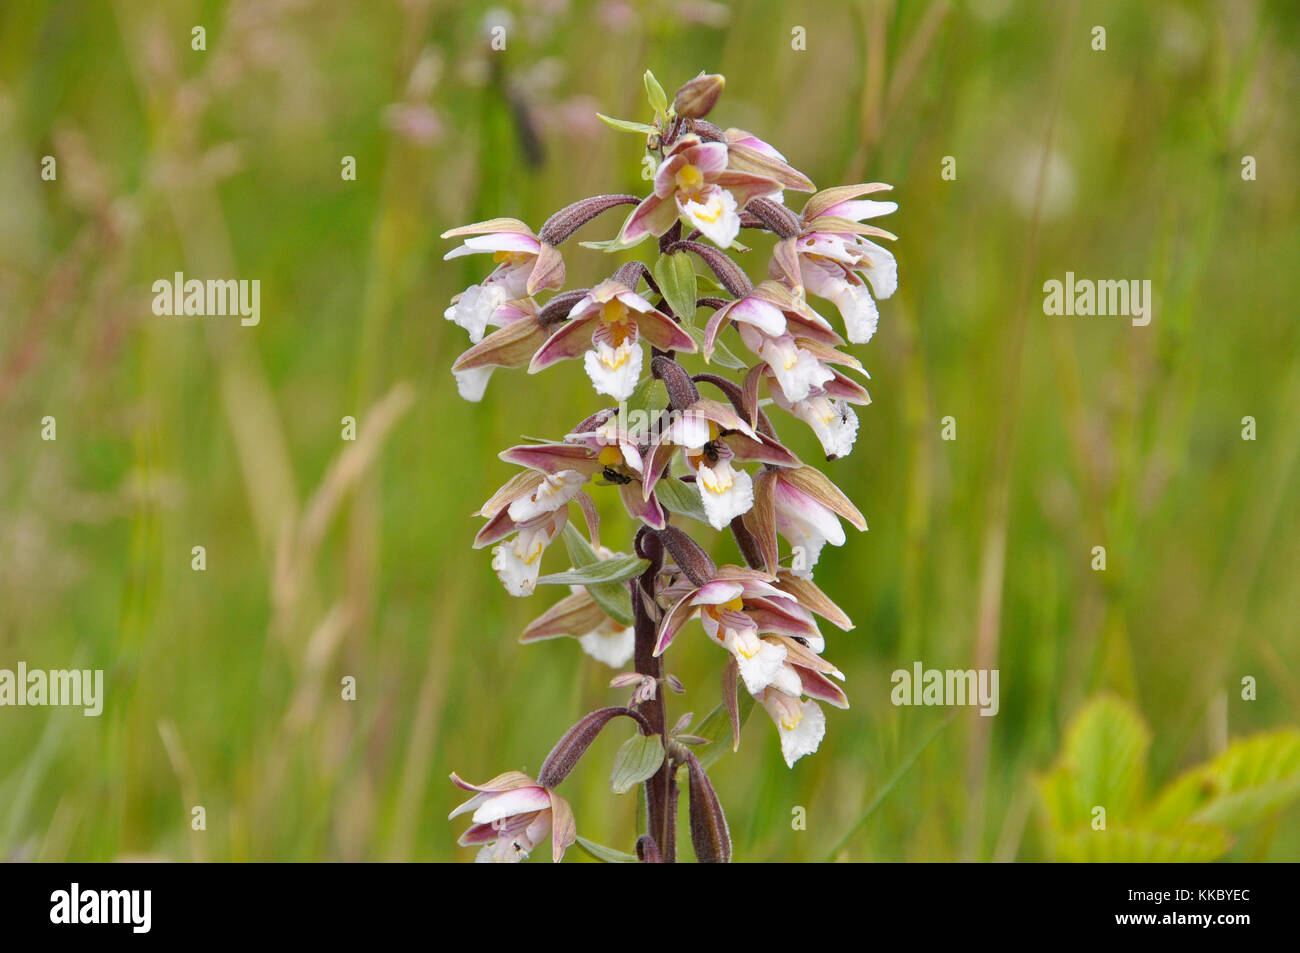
837, 261
524, 266
512, 814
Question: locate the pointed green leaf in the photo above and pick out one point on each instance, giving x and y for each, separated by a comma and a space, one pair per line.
606, 855
616, 569
655, 93
681, 498
627, 125
716, 729
638, 758
675, 276
614, 599
722, 355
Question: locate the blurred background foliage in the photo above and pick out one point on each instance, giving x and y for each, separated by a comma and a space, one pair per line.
328, 558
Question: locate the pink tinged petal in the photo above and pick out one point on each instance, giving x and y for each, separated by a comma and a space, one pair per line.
861, 209
653, 216
763, 315
661, 455
745, 186
564, 828
555, 491
574, 615
690, 429
721, 414
506, 781
519, 485
663, 332
762, 450
797, 505
716, 592
673, 620
647, 511
489, 227
772, 620
502, 241
573, 338
498, 528
468, 807
666, 175
553, 457
522, 800
846, 388
829, 198
709, 157
816, 685
718, 322
547, 271
478, 834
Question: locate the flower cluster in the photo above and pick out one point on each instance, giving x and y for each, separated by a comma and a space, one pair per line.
674, 456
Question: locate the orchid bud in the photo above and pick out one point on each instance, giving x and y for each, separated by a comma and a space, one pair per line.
697, 97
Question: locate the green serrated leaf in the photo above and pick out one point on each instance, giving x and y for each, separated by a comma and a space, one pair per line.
1253, 778
614, 599
675, 276
716, 729
627, 125
722, 355
1126, 845
606, 855
638, 759
1106, 751
680, 498
616, 569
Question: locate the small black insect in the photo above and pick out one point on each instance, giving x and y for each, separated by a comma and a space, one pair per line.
801, 640
613, 476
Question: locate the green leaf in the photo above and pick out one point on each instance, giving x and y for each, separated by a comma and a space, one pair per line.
1253, 778
716, 728
1106, 751
606, 855
675, 276
650, 396
655, 93
638, 758
613, 598
1126, 845
616, 569
627, 125
722, 355
609, 247
681, 498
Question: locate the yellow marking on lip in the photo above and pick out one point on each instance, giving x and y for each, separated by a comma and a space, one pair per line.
610, 456
689, 178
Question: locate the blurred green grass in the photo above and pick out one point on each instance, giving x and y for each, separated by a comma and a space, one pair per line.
181, 432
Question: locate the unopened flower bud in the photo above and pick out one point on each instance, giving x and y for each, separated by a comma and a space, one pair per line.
697, 97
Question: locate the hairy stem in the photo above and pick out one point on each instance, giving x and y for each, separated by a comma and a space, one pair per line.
659, 790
